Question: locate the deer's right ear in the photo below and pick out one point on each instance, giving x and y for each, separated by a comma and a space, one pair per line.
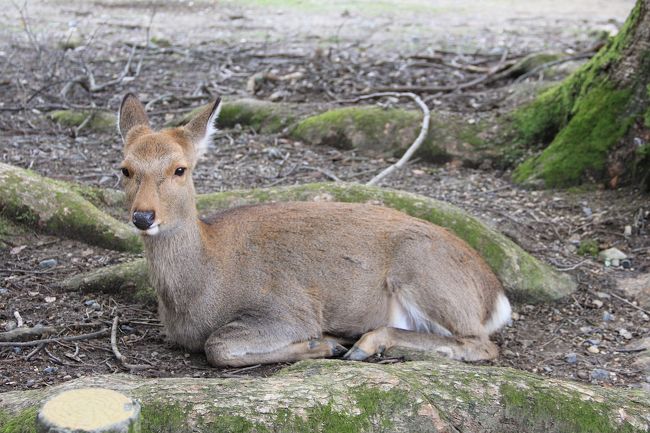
131, 115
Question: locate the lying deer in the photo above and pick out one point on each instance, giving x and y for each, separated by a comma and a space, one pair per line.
289, 281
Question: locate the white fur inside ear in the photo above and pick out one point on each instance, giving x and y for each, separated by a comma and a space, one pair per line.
210, 132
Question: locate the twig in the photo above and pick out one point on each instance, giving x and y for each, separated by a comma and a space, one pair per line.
89, 336
20, 333
19, 319
622, 299
450, 88
543, 66
418, 141
117, 353
31, 354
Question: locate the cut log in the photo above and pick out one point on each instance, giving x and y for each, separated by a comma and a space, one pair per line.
89, 410
337, 396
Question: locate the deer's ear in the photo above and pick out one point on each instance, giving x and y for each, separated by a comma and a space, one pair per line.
131, 115
201, 130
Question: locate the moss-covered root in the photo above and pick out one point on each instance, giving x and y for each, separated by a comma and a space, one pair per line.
262, 116
129, 279
524, 277
585, 118
54, 207
392, 131
100, 121
337, 396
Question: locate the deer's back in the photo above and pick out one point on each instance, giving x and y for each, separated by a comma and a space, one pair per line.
338, 259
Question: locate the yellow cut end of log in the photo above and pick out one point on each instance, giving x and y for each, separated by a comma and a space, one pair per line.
89, 409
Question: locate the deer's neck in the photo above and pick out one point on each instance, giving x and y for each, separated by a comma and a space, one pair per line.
175, 260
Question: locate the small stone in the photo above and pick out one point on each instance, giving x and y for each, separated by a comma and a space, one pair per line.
127, 329
597, 303
608, 317
625, 333
50, 299
593, 349
3, 291
10, 325
603, 295
599, 374
587, 211
586, 329
89, 302
515, 316
17, 349
611, 254
274, 153
48, 263
583, 375
67, 377
627, 231
616, 263
95, 306
594, 341
548, 369
571, 358
30, 383
50, 370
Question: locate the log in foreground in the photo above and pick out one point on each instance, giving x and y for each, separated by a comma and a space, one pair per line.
57, 208
337, 396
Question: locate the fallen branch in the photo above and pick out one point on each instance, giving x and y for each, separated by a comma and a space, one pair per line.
117, 352
20, 333
424, 130
89, 336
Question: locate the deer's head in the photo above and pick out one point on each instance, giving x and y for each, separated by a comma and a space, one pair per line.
157, 166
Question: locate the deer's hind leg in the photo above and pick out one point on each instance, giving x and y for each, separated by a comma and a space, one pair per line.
253, 340
474, 348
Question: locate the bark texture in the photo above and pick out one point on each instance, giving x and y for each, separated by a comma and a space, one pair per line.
335, 396
595, 123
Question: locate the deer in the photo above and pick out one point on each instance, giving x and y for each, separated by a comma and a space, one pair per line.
288, 281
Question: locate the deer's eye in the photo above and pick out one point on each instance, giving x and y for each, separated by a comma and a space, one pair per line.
180, 171
125, 172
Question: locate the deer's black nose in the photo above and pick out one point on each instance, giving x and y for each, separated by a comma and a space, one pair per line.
143, 219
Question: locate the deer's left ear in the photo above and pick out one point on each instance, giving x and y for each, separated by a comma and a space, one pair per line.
201, 130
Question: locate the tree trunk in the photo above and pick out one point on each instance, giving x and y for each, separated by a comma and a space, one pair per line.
596, 123
436, 395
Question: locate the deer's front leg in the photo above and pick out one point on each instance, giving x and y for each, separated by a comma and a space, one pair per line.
250, 341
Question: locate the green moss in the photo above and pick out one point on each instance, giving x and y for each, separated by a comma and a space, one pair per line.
371, 409
588, 247
581, 147
582, 118
261, 116
32, 200
372, 128
24, 422
159, 417
99, 121
543, 411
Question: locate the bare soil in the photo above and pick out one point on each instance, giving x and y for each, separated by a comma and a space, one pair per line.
200, 49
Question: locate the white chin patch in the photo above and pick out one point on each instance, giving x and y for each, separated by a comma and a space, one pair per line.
152, 231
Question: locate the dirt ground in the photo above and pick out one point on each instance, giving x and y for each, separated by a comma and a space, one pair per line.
199, 49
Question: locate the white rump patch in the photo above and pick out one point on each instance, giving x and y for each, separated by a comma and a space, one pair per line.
405, 315
210, 132
501, 315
